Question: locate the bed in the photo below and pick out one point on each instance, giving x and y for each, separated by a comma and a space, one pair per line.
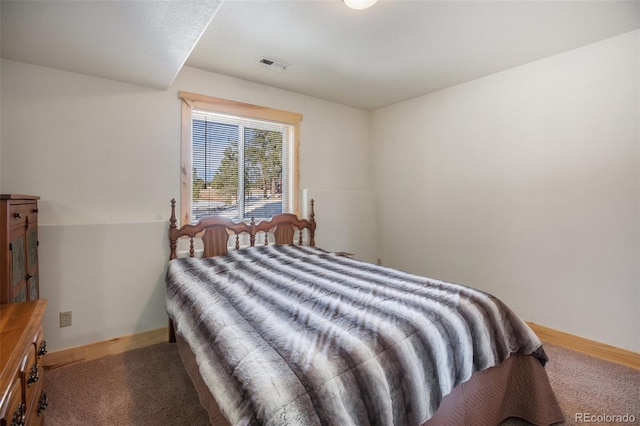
276, 331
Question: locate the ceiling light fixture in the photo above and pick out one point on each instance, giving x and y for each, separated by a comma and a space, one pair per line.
359, 4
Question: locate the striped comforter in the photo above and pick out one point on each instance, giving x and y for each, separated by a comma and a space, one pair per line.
289, 335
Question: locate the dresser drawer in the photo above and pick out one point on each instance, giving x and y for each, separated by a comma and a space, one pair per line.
41, 344
33, 373
20, 212
39, 399
36, 406
12, 409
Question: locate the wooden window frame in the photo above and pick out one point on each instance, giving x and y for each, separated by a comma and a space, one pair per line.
195, 101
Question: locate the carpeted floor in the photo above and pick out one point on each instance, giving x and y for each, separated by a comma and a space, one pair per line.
149, 386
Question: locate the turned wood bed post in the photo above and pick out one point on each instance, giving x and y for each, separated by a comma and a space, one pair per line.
173, 229
312, 229
252, 232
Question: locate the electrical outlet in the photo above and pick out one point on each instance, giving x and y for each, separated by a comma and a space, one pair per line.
65, 319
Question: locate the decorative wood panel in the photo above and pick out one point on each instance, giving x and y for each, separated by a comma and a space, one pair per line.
19, 279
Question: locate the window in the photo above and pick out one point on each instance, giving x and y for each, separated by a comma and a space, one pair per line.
238, 160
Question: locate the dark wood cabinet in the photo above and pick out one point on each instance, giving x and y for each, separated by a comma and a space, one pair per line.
19, 251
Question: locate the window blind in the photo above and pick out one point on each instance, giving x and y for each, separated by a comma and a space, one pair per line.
240, 166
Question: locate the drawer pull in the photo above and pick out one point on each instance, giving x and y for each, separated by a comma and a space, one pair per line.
35, 210
19, 416
43, 402
17, 215
34, 375
42, 349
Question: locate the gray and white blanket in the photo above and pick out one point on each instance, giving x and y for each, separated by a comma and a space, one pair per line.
289, 335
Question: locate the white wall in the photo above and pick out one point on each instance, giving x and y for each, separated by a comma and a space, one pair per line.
105, 156
525, 184
350, 213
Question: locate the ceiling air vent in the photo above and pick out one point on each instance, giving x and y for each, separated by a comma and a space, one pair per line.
272, 64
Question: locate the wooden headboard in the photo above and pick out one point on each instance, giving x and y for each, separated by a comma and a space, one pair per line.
216, 230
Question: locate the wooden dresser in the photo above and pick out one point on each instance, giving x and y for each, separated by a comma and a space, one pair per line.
22, 346
18, 248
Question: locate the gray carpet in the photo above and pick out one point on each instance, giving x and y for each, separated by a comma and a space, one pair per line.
149, 386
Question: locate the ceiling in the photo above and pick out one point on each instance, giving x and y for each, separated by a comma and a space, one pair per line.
139, 42
396, 50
